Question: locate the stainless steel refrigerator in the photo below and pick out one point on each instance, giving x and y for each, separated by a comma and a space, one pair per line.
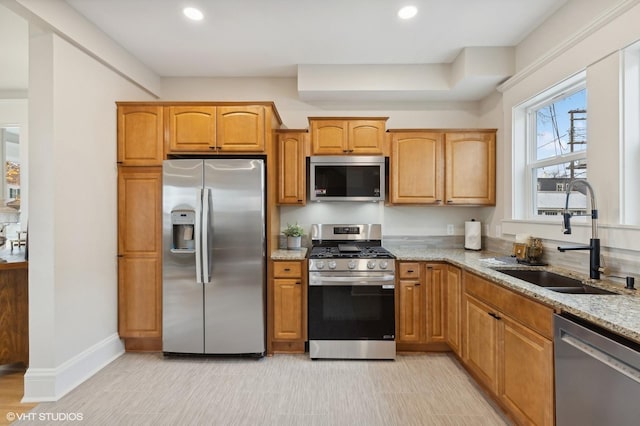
213, 256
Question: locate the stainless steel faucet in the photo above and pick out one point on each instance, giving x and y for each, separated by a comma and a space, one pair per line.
594, 242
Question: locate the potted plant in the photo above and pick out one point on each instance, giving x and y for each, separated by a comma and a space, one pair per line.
294, 235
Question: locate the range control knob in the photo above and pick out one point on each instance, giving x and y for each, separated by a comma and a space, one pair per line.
351, 264
371, 264
332, 264
319, 264
384, 264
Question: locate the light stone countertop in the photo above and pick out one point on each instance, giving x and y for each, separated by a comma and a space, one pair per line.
617, 313
284, 254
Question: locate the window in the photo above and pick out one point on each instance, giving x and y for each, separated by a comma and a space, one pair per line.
553, 129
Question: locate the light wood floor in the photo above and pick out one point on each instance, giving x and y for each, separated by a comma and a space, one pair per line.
11, 392
141, 389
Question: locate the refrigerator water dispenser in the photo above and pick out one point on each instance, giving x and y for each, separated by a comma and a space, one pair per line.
183, 224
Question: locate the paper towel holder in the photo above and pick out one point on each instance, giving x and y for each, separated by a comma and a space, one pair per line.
473, 235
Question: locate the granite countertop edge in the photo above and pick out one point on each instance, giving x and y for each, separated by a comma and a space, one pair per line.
617, 313
285, 254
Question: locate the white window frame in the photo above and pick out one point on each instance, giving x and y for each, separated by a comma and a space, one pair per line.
524, 147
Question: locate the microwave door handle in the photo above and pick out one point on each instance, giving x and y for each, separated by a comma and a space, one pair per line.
198, 232
206, 220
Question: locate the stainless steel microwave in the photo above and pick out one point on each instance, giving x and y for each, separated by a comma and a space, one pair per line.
346, 178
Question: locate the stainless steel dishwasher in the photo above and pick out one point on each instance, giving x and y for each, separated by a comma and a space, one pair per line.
597, 375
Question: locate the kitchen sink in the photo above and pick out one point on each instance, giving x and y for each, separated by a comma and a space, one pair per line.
554, 282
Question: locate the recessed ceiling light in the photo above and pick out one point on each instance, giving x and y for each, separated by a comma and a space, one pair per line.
193, 13
408, 12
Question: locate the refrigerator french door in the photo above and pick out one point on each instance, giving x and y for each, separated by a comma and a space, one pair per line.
214, 256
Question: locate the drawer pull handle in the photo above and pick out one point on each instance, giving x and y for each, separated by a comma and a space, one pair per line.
410, 271
287, 269
298, 282
495, 315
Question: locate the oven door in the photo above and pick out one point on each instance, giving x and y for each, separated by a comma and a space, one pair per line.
351, 306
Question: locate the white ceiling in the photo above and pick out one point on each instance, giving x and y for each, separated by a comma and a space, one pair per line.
271, 38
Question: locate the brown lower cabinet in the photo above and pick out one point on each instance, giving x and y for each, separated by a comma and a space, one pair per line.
507, 346
421, 306
288, 328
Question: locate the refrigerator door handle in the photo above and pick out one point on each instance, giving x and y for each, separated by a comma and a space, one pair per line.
198, 232
206, 218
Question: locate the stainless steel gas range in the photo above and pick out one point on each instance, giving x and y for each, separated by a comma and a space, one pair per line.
351, 293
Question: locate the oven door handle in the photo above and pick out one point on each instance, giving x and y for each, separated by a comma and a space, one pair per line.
342, 280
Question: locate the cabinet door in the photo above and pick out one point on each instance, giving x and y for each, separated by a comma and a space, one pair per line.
366, 137
140, 135
453, 296
436, 302
410, 316
192, 128
240, 128
527, 372
140, 296
480, 342
329, 137
140, 251
139, 211
291, 168
287, 309
470, 168
416, 163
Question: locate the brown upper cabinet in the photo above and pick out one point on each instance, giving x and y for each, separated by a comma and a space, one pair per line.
292, 166
347, 136
207, 128
140, 135
452, 167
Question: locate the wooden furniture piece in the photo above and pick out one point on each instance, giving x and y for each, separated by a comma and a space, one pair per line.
421, 306
442, 167
507, 347
14, 313
140, 135
289, 290
140, 254
347, 135
292, 175
454, 306
216, 128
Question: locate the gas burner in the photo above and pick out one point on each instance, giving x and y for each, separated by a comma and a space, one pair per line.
366, 252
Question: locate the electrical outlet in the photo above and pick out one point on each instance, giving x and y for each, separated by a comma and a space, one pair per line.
498, 231
450, 229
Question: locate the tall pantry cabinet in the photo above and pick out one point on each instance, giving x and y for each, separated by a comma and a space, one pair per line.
140, 156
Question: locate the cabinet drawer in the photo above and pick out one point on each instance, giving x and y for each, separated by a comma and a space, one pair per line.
528, 312
409, 270
287, 269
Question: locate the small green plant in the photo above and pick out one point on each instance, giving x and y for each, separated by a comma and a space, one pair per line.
293, 230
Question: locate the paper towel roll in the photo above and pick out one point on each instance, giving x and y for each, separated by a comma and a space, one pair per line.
473, 235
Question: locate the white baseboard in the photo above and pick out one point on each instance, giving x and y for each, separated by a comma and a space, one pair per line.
51, 384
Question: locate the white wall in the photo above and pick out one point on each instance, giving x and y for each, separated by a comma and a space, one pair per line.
73, 263
596, 50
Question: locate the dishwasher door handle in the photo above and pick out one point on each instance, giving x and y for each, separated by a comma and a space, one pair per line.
605, 358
